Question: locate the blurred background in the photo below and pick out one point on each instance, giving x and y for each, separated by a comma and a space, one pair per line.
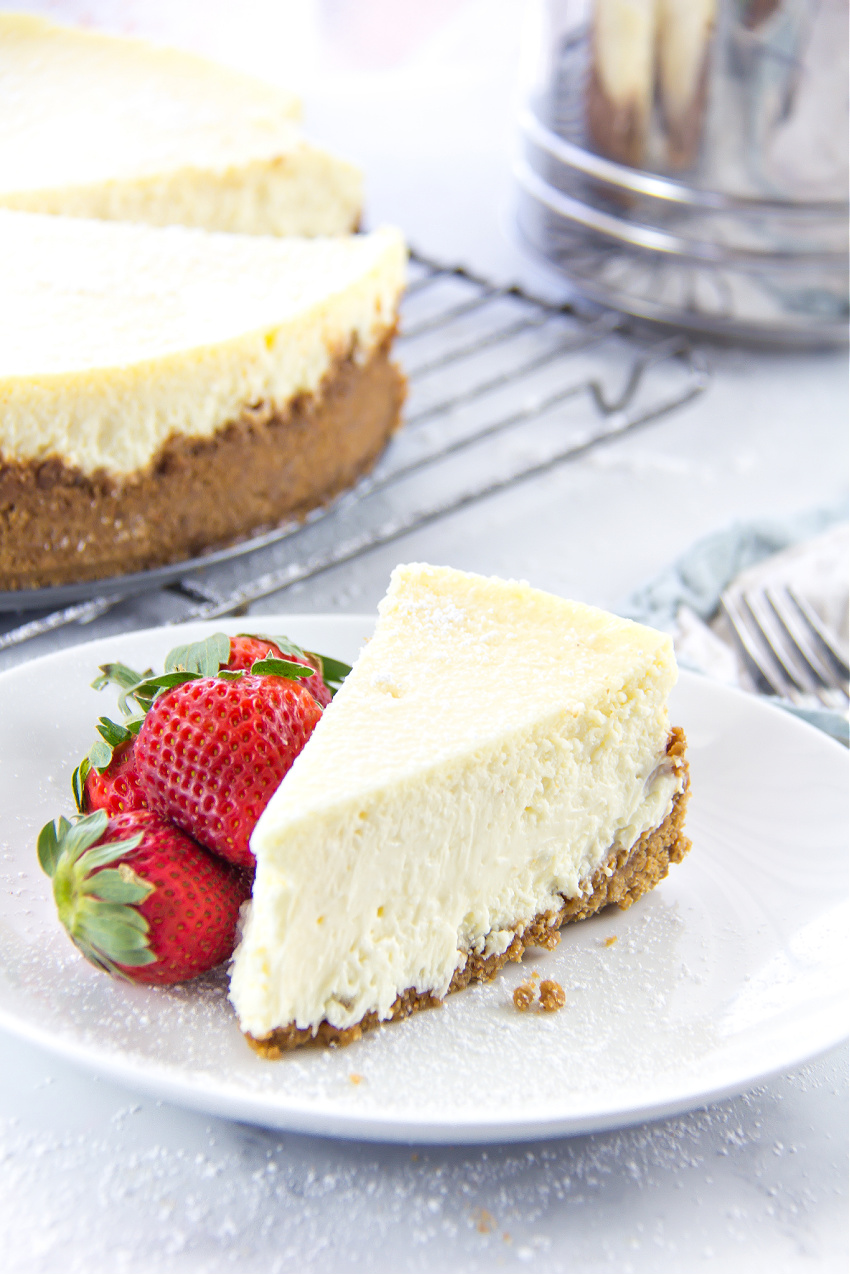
423, 96
682, 160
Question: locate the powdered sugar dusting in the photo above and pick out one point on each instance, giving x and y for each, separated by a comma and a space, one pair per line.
150, 1189
471, 1060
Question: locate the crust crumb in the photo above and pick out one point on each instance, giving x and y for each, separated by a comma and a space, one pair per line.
552, 996
355, 1078
609, 942
523, 997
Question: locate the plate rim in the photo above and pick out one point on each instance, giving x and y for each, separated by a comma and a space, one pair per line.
323, 1118
319, 1121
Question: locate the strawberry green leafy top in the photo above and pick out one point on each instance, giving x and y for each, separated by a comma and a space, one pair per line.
96, 907
185, 663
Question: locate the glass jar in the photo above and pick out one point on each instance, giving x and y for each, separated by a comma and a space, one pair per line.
686, 161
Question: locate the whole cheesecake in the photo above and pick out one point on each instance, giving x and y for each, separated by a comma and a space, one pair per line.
498, 762
164, 391
122, 129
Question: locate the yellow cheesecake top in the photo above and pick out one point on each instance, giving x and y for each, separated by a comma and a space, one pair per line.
123, 129
115, 337
458, 660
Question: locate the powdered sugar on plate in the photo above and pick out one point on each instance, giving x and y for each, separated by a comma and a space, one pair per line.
650, 1023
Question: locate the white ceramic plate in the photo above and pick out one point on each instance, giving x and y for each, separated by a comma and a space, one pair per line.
731, 970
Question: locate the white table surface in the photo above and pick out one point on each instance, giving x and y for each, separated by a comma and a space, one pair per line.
97, 1178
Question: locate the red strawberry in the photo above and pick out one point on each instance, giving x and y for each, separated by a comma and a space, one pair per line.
115, 789
244, 650
211, 753
140, 898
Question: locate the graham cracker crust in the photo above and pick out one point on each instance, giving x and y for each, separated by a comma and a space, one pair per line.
59, 525
625, 876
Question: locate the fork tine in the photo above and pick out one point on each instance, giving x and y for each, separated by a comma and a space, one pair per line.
821, 635
768, 675
800, 634
780, 643
802, 677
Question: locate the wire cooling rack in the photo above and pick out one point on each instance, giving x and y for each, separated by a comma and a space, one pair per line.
503, 388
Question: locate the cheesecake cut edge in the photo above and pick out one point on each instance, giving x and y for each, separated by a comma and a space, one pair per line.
621, 879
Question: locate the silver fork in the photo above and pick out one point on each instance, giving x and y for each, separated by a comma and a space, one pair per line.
786, 647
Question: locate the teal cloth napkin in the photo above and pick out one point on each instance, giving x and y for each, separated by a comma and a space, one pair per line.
696, 580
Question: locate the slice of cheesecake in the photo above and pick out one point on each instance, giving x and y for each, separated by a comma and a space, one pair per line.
101, 126
641, 50
166, 390
621, 78
498, 762
685, 29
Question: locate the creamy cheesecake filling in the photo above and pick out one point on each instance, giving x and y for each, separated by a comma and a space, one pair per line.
563, 870
684, 32
298, 190
624, 49
492, 749
117, 338
440, 879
